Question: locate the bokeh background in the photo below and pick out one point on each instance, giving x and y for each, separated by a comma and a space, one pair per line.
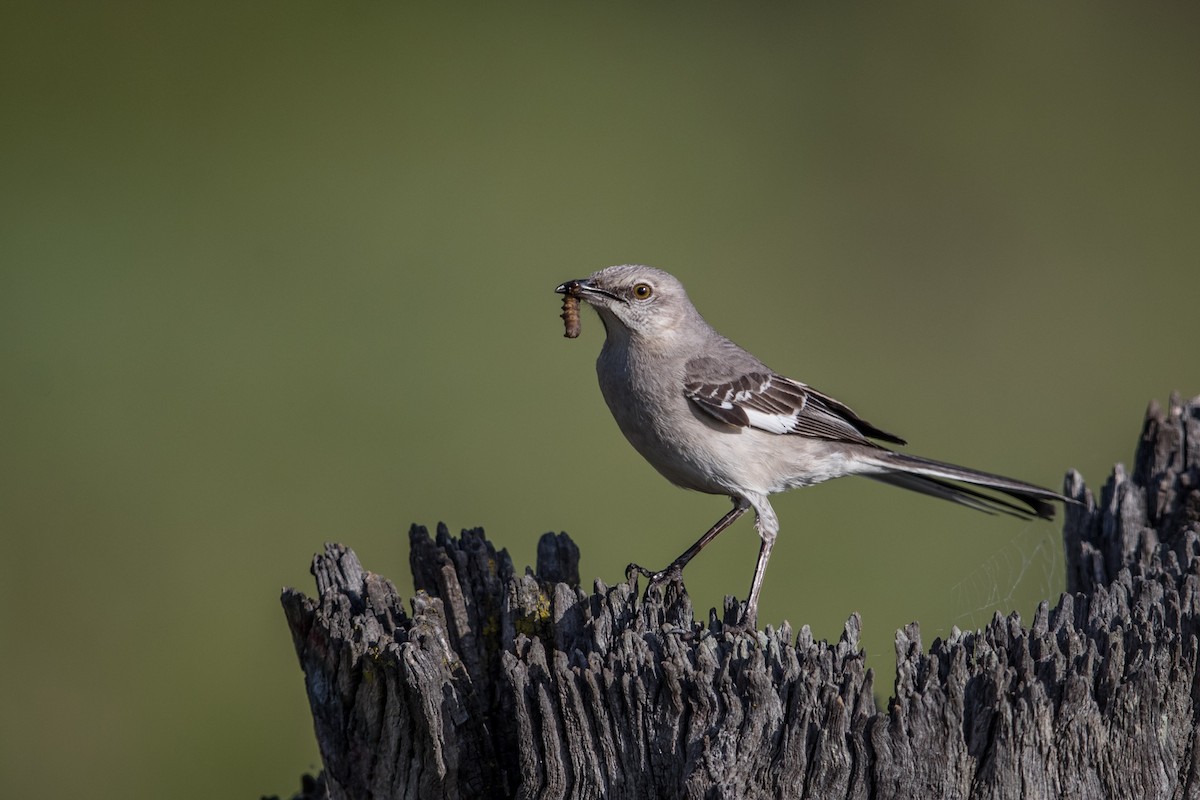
274, 274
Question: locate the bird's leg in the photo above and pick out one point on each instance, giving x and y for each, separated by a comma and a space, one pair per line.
674, 570
750, 616
767, 525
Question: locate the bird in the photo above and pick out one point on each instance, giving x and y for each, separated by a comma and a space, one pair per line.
713, 418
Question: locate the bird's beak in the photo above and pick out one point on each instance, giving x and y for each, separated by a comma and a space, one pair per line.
574, 288
586, 290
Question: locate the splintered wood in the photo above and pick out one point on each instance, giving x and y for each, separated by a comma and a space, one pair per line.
570, 316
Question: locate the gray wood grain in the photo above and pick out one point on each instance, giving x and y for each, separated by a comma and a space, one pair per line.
502, 684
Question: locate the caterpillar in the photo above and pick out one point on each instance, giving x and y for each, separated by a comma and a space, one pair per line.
570, 316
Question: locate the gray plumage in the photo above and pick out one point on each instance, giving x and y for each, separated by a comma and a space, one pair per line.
710, 416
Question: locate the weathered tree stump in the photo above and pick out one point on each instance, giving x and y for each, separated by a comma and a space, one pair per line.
522, 685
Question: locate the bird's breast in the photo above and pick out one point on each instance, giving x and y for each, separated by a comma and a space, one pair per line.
649, 406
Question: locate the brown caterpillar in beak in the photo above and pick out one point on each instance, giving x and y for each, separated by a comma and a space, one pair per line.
570, 316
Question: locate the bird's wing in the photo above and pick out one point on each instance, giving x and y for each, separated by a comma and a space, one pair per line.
776, 404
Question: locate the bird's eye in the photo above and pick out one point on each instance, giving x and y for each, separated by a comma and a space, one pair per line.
642, 291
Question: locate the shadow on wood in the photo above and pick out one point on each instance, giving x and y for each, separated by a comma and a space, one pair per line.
507, 685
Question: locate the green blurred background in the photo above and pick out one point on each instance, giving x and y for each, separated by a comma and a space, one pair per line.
276, 274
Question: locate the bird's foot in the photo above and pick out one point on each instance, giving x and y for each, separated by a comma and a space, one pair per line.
743, 625
675, 610
673, 574
747, 620
684, 634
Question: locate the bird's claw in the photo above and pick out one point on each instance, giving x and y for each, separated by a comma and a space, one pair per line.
638, 569
743, 625
684, 634
673, 574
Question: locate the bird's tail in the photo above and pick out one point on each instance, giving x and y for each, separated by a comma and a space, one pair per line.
935, 478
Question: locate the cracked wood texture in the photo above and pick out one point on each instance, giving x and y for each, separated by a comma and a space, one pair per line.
507, 684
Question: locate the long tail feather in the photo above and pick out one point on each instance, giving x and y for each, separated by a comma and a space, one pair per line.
933, 478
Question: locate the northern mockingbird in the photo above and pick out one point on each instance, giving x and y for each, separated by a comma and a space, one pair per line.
710, 416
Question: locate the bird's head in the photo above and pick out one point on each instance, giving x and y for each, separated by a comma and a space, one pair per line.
634, 300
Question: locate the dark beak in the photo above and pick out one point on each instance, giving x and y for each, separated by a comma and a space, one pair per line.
573, 288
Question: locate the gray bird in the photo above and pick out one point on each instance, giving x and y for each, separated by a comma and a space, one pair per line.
711, 417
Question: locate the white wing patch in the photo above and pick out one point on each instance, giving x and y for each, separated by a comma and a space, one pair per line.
779, 405
772, 411
757, 400
773, 423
